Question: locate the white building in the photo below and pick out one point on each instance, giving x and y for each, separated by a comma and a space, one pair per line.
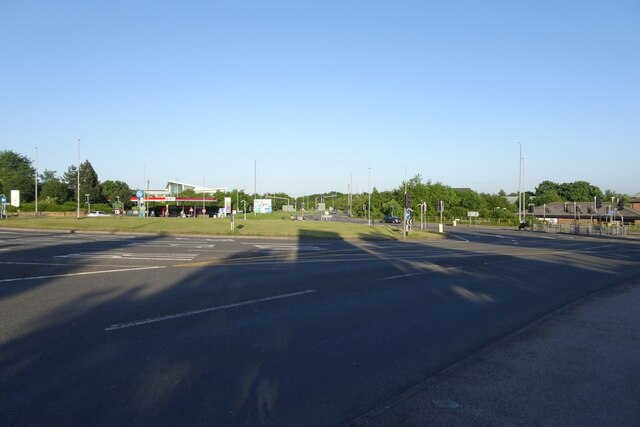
174, 188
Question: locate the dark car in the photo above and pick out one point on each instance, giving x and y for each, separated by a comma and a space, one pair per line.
391, 219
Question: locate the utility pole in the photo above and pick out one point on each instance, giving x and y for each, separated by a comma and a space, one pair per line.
36, 181
369, 204
78, 178
351, 194
521, 187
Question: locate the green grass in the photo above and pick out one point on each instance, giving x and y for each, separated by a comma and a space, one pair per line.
274, 225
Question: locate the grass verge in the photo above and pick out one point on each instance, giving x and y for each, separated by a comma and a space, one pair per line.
274, 226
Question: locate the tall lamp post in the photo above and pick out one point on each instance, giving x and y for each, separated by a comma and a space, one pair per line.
36, 181
369, 204
521, 187
78, 179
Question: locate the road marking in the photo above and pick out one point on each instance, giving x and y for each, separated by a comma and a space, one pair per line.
458, 237
402, 276
287, 247
135, 256
83, 273
434, 269
117, 326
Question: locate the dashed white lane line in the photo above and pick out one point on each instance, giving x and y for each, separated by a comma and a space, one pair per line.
83, 273
417, 273
132, 256
402, 276
204, 310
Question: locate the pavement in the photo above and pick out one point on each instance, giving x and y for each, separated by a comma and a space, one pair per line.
578, 366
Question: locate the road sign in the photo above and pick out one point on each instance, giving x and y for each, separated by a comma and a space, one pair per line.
139, 194
473, 214
3, 199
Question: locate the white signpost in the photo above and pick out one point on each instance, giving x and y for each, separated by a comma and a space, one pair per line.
262, 206
3, 206
472, 214
15, 198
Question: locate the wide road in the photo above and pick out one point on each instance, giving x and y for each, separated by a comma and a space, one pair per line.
103, 329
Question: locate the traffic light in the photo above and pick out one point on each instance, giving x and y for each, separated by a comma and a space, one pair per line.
407, 200
620, 204
530, 207
598, 202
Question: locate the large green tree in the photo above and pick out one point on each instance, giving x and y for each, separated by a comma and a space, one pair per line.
53, 188
16, 173
89, 182
579, 191
116, 190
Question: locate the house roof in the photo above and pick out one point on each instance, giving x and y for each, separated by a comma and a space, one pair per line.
583, 210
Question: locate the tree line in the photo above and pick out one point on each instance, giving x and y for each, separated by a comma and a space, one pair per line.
55, 192
60, 193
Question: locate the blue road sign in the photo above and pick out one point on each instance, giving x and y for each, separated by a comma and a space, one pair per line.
139, 194
3, 199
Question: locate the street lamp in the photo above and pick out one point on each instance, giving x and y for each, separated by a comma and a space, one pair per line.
78, 179
369, 205
36, 181
521, 187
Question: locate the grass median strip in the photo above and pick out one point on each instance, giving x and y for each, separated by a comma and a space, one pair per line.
271, 225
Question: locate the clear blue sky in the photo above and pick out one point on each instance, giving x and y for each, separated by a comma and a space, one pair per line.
319, 92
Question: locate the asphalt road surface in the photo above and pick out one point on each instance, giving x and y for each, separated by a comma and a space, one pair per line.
102, 329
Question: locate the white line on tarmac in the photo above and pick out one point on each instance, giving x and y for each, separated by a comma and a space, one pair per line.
402, 276
132, 256
458, 237
83, 273
418, 273
204, 310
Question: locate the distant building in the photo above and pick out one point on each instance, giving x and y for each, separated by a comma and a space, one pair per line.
174, 188
585, 212
512, 199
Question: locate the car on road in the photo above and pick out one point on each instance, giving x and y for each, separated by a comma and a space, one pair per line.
98, 213
391, 219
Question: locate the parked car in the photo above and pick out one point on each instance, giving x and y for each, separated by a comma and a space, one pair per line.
391, 219
98, 213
